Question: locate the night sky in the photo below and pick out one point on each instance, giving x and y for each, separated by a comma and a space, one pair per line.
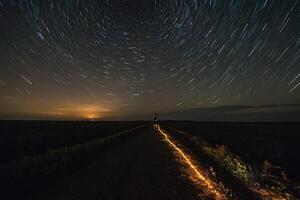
69, 59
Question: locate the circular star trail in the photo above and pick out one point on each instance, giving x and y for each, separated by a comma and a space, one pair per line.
123, 57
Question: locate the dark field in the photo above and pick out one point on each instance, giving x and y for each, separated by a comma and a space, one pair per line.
30, 138
133, 160
255, 143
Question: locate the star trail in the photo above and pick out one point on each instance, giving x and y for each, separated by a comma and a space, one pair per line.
97, 59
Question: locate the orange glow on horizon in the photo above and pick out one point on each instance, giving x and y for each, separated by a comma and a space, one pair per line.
90, 112
91, 116
63, 109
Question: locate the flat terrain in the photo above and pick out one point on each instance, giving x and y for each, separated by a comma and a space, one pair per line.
136, 160
31, 138
255, 143
143, 167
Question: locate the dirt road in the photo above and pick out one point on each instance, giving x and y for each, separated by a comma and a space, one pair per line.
143, 167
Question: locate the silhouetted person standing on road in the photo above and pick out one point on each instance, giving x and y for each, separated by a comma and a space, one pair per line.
155, 119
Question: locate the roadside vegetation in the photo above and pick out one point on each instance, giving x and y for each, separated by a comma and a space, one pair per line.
252, 153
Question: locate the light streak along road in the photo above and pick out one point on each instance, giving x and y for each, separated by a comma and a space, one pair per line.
264, 193
208, 185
